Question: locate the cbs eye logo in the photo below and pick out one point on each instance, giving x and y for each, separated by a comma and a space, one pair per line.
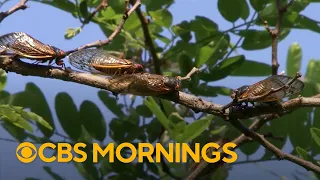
28, 152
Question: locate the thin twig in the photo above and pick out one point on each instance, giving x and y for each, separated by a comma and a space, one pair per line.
102, 5
100, 43
194, 70
149, 42
274, 33
20, 6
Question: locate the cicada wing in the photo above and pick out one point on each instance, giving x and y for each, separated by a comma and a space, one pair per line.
281, 80
26, 46
92, 59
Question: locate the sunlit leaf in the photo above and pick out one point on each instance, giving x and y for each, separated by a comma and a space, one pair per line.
154, 107
162, 17
294, 58
71, 32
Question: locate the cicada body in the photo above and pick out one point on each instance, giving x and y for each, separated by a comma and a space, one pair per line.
24, 45
262, 87
101, 62
145, 84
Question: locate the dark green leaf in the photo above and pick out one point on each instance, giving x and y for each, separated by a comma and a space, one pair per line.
252, 68
256, 39
111, 103
203, 28
93, 120
229, 9
162, 17
68, 115
16, 132
182, 30
223, 69
303, 153
34, 99
294, 59
143, 110
84, 9
259, 4
244, 9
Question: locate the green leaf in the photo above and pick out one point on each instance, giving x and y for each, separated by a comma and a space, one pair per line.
143, 110
258, 4
71, 32
302, 153
257, 39
34, 117
203, 56
229, 9
315, 133
14, 116
218, 130
84, 8
153, 106
68, 115
34, 99
111, 103
65, 5
93, 120
313, 71
307, 23
252, 68
244, 9
162, 17
183, 30
203, 28
168, 107
294, 59
154, 5
223, 69
3, 79
195, 129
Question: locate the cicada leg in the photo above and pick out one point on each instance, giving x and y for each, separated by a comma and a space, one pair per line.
118, 72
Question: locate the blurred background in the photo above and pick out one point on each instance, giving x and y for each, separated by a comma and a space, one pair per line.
48, 22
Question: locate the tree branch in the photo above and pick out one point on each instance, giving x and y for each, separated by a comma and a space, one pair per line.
20, 6
276, 151
149, 42
100, 43
274, 33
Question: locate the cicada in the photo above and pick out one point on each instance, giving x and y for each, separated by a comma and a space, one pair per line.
24, 45
145, 84
264, 89
101, 62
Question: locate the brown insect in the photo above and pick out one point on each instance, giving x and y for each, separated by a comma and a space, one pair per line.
264, 86
101, 62
145, 84
24, 45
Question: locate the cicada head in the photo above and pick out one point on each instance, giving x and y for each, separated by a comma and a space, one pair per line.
238, 92
138, 67
59, 53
